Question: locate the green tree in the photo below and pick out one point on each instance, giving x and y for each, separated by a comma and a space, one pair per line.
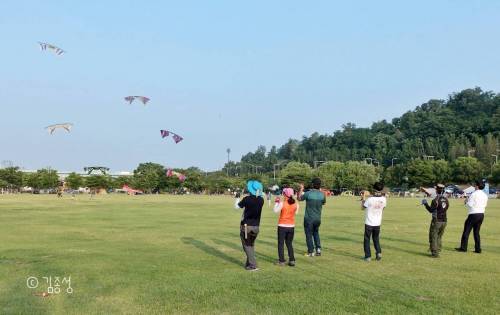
96, 182
420, 173
3, 183
358, 175
467, 170
150, 177
296, 173
74, 180
495, 176
32, 180
120, 181
330, 173
48, 178
12, 176
393, 176
442, 171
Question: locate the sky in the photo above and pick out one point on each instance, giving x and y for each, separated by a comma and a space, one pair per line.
225, 74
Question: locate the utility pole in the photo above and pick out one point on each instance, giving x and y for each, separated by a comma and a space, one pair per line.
277, 165
392, 161
228, 150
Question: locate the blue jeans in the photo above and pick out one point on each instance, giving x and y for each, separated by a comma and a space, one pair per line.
311, 228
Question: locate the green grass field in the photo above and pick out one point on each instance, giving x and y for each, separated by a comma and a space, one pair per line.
181, 254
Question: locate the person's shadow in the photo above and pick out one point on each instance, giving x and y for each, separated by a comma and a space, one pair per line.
236, 247
210, 250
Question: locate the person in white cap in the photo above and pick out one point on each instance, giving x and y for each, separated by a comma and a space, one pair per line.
438, 208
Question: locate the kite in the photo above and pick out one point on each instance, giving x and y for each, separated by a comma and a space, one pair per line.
91, 169
176, 137
131, 99
171, 173
52, 128
131, 191
44, 46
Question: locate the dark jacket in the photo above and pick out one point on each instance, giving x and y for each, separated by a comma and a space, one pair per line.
438, 208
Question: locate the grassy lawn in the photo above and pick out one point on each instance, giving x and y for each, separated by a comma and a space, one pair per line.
180, 254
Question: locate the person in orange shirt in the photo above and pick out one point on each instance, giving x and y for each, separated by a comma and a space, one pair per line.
287, 208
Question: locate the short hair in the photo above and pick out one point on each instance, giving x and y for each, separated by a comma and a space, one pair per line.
378, 186
316, 183
480, 184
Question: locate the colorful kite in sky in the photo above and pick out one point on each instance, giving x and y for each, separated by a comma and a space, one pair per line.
44, 46
176, 137
53, 128
132, 98
171, 173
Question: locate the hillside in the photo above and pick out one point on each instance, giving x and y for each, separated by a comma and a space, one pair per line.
446, 129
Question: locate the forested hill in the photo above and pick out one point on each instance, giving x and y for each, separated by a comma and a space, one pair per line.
446, 129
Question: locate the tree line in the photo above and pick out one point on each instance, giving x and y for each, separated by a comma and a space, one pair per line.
336, 176
467, 124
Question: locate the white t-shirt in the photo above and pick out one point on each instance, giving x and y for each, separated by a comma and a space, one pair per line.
477, 202
373, 210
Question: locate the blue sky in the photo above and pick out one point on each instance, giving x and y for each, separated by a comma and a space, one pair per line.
225, 73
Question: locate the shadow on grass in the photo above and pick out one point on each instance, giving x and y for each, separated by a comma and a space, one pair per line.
210, 250
238, 247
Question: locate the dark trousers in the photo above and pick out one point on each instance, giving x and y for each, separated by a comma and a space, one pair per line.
473, 222
311, 228
436, 231
372, 232
285, 236
248, 243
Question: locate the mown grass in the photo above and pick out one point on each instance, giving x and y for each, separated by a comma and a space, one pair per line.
182, 254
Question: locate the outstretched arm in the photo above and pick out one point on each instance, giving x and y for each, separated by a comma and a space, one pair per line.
238, 203
432, 207
300, 194
278, 205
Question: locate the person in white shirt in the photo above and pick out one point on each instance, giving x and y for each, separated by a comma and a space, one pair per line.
373, 206
476, 206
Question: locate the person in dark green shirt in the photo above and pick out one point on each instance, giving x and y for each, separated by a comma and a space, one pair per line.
315, 199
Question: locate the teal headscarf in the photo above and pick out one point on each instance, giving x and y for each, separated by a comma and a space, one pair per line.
255, 188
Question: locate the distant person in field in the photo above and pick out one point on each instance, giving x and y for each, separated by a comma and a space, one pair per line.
315, 200
250, 221
374, 206
287, 208
476, 206
438, 208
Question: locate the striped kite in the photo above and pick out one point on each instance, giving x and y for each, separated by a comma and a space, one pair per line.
132, 98
171, 173
176, 137
44, 46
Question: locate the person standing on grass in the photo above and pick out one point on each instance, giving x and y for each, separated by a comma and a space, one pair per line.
250, 221
438, 208
287, 208
373, 206
315, 200
476, 205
